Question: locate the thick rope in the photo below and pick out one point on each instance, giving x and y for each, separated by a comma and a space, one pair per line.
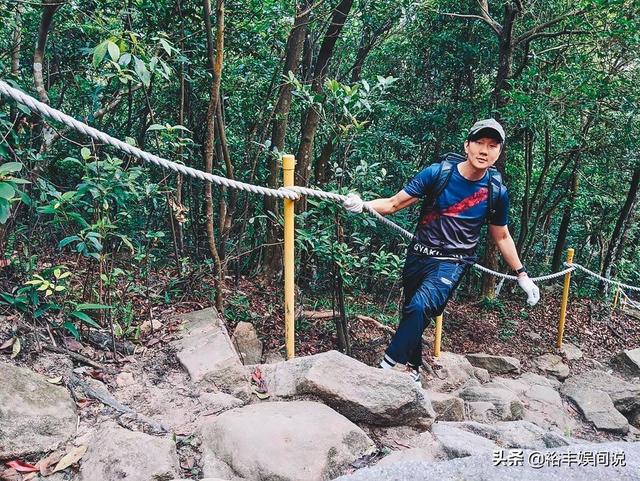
292, 193
604, 279
50, 112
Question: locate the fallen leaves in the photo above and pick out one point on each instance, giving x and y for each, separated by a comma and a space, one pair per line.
55, 380
14, 344
22, 466
258, 386
71, 458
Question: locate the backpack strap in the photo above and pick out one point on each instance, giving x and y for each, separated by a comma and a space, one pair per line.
447, 162
495, 190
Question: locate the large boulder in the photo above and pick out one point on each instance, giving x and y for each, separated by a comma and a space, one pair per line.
506, 405
514, 434
447, 406
451, 371
208, 355
597, 407
494, 364
625, 395
629, 361
245, 340
359, 392
287, 441
544, 406
35, 415
623, 465
116, 453
458, 443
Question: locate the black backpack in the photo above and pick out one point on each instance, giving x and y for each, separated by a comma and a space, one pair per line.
447, 162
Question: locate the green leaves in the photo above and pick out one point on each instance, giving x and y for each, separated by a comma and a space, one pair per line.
10, 167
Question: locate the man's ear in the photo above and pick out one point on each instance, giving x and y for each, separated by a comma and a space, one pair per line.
466, 147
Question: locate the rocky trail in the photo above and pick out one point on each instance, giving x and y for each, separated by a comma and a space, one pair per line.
204, 405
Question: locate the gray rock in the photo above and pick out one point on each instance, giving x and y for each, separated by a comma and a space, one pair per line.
482, 374
359, 392
629, 360
483, 468
597, 407
206, 352
451, 371
447, 406
553, 365
458, 443
117, 453
571, 352
625, 395
480, 411
245, 340
506, 405
218, 402
515, 434
297, 441
494, 364
35, 415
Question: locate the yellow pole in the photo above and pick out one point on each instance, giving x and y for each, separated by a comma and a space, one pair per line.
436, 343
288, 165
615, 299
565, 299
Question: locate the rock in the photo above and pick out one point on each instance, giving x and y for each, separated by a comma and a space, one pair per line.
553, 365
450, 372
515, 434
207, 354
458, 443
571, 352
625, 395
297, 441
597, 407
629, 360
534, 336
35, 415
124, 379
494, 364
117, 453
357, 391
247, 344
480, 411
481, 374
506, 405
483, 467
447, 406
218, 402
148, 327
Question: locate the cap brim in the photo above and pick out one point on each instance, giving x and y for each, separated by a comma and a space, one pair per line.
486, 132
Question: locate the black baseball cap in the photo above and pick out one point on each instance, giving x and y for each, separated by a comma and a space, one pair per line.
487, 128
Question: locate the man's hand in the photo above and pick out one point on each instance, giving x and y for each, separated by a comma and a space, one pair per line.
353, 203
527, 285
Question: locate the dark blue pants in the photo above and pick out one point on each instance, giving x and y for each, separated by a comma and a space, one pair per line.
428, 284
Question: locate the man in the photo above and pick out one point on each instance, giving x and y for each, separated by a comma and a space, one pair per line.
447, 235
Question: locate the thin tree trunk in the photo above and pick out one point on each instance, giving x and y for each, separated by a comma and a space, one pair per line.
214, 94
312, 119
295, 43
616, 245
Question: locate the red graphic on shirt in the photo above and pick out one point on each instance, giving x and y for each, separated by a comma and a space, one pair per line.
474, 199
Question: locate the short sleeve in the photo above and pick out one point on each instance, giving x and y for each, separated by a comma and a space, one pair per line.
501, 216
419, 186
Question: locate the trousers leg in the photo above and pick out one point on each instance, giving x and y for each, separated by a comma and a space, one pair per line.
428, 285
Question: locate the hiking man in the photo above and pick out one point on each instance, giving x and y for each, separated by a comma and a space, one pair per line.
460, 194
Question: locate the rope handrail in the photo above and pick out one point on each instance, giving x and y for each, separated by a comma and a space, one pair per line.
291, 193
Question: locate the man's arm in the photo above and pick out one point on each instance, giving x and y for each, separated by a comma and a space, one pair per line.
390, 205
501, 236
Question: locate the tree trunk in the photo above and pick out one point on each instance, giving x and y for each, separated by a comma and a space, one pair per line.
619, 232
214, 94
312, 119
273, 254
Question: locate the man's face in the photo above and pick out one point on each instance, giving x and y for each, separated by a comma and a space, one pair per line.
482, 153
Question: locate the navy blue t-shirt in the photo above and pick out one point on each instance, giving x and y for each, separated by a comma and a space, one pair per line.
453, 226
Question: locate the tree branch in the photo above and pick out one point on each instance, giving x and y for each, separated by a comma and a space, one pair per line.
484, 8
539, 28
460, 15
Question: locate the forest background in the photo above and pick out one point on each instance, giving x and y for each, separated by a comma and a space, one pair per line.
364, 94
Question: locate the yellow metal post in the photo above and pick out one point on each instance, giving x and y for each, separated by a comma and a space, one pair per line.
288, 165
615, 299
565, 300
438, 338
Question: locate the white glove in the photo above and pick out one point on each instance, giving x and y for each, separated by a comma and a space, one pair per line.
533, 293
353, 203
